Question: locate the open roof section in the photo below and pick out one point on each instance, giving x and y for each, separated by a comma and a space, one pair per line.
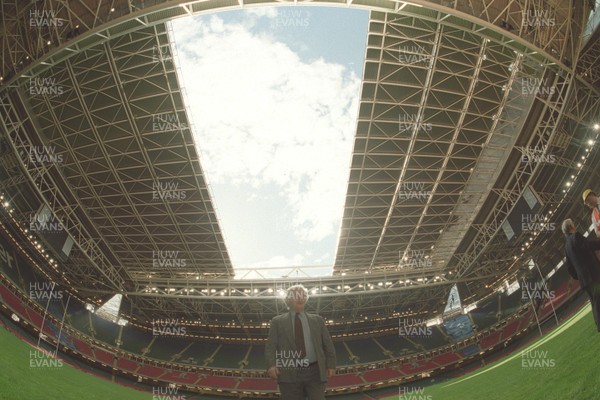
274, 109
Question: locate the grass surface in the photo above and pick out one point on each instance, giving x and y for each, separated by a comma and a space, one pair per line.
572, 349
561, 365
20, 381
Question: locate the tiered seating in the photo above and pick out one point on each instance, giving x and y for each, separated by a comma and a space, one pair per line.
380, 375
106, 331
341, 354
484, 316
434, 340
52, 330
83, 347
134, 340
470, 350
445, 359
103, 356
344, 380
25, 279
510, 329
13, 301
222, 382
366, 350
41, 323
258, 384
561, 294
186, 378
418, 366
457, 328
256, 358
510, 304
396, 344
10, 273
74, 307
491, 340
81, 322
35, 318
151, 371
57, 309
199, 351
127, 365
525, 320
229, 356
484, 319
165, 347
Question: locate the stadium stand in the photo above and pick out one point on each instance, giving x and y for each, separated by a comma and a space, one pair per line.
446, 359
104, 356
396, 345
127, 365
510, 329
167, 347
104, 330
256, 358
217, 381
345, 380
510, 304
486, 313
150, 371
430, 339
184, 378
559, 296
366, 350
470, 350
57, 309
381, 375
80, 321
229, 356
83, 347
13, 301
342, 355
199, 353
256, 384
135, 340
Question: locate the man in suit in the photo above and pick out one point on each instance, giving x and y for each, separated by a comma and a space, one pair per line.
583, 265
299, 351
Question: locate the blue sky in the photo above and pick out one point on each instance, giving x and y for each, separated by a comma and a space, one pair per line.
273, 95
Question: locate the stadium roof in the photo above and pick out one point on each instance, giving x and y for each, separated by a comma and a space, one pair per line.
451, 102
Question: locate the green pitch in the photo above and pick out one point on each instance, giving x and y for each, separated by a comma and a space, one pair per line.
561, 365
28, 374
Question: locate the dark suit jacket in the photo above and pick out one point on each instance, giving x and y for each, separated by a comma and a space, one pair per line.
281, 339
581, 259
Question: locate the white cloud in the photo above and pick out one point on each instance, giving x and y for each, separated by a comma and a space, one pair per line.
264, 116
269, 12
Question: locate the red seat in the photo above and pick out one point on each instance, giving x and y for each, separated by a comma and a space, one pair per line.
225, 382
258, 384
344, 380
379, 375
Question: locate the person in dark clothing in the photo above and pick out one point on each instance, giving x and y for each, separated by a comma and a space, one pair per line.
583, 265
299, 351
